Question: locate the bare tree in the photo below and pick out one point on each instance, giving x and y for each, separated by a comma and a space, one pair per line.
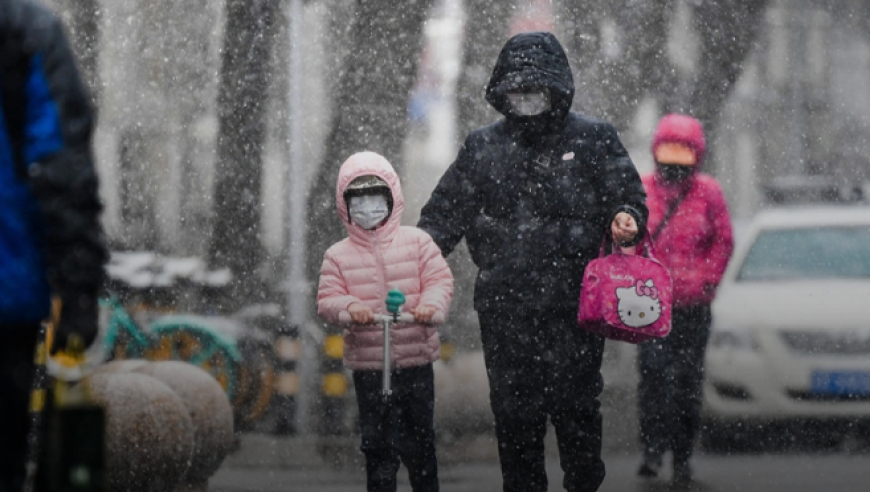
726, 31
486, 30
370, 104
82, 18
613, 75
242, 96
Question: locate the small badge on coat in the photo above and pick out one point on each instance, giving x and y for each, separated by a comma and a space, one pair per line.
542, 161
568, 156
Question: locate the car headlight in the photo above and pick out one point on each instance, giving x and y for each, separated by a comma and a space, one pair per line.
733, 339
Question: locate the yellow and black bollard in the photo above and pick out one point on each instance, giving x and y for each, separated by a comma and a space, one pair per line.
287, 350
37, 410
77, 429
448, 349
334, 386
66, 443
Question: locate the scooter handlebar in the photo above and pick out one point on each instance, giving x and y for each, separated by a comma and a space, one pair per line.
405, 318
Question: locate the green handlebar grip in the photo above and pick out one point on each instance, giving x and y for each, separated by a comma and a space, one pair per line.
395, 299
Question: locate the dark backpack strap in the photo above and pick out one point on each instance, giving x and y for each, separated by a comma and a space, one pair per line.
670, 213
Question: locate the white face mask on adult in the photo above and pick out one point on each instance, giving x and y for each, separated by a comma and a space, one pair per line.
368, 211
529, 103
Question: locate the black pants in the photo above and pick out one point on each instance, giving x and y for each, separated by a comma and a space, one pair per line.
410, 427
540, 364
670, 388
17, 344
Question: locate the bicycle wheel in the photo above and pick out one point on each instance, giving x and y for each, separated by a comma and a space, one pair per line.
192, 340
122, 338
258, 365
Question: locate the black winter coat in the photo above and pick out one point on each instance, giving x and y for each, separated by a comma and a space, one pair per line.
533, 196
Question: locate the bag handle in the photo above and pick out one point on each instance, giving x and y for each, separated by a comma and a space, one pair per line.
670, 213
645, 245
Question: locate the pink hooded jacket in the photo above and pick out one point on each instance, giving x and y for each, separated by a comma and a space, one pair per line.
696, 243
364, 266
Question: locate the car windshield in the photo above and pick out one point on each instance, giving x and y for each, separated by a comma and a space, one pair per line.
808, 253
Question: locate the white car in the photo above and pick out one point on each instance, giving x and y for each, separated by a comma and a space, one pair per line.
790, 341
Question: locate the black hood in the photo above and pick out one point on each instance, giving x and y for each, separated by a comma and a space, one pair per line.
532, 59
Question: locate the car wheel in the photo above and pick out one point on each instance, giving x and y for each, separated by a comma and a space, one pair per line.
862, 435
819, 435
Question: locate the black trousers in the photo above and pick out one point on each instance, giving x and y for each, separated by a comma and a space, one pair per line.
540, 364
411, 429
670, 388
17, 344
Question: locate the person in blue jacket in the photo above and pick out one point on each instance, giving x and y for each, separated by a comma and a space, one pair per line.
51, 240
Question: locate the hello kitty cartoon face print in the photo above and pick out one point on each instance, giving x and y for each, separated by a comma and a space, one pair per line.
639, 305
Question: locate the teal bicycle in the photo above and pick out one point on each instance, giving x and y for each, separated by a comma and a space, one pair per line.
174, 337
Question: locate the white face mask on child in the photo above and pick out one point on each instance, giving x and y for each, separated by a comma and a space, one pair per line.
368, 211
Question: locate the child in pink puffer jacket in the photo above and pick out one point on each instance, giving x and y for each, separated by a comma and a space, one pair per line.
379, 254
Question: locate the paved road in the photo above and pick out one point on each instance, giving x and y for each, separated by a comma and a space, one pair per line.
266, 464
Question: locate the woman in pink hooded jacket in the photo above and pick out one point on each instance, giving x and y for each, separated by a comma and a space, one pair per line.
378, 255
690, 228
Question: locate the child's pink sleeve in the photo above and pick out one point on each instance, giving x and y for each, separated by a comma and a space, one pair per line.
332, 291
436, 279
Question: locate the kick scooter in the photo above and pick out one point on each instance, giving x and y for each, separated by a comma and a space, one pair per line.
395, 300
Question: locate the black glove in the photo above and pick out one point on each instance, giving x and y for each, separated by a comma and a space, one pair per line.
78, 315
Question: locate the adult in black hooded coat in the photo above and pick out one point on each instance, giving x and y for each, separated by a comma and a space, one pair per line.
534, 195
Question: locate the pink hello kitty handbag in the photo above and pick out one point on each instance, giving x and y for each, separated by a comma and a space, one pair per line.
626, 297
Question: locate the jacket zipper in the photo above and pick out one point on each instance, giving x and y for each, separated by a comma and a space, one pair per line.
382, 278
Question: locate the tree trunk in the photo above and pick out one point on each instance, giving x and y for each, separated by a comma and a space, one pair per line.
640, 67
370, 110
82, 19
726, 30
486, 31
242, 97
580, 21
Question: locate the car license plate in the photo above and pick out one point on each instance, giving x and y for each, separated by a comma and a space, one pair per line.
840, 383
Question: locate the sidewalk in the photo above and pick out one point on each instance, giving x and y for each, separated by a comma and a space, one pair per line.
265, 463
285, 452
289, 464
260, 449
280, 452
468, 460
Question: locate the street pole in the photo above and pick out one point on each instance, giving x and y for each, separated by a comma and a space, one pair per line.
297, 284
797, 165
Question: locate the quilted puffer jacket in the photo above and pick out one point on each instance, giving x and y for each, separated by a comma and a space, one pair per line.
696, 243
368, 263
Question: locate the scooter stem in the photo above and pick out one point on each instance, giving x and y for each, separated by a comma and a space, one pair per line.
394, 302
386, 389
